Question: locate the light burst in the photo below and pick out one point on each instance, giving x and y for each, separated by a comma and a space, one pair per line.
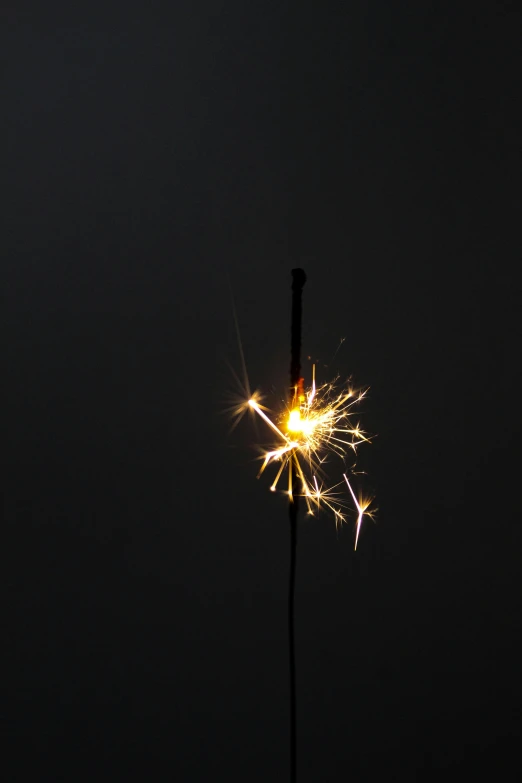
317, 426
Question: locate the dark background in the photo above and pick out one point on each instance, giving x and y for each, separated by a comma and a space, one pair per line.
148, 149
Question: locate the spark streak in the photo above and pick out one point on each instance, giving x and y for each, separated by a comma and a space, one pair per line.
361, 506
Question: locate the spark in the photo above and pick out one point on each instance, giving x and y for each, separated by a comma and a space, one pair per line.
361, 505
317, 424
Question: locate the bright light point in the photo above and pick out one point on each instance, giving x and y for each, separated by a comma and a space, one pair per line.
294, 421
307, 427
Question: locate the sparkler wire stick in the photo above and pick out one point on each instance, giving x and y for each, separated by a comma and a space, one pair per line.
317, 423
299, 279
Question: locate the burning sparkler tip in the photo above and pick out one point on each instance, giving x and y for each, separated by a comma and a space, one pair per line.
316, 424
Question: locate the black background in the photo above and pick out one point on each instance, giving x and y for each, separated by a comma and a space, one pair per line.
150, 150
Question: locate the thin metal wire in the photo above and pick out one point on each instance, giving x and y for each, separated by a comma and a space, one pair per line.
299, 279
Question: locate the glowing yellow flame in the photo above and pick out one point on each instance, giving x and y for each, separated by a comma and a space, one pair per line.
294, 421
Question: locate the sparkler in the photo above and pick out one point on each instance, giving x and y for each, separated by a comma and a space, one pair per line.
314, 427
299, 279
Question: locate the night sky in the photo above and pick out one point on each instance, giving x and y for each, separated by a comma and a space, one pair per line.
151, 152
